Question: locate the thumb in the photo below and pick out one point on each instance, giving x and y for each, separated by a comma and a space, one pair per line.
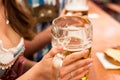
54, 51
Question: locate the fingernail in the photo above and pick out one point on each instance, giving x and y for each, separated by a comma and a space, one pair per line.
85, 52
89, 65
90, 60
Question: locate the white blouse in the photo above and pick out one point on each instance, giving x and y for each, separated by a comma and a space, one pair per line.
9, 56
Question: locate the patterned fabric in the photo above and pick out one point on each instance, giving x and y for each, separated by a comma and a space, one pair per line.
10, 65
15, 71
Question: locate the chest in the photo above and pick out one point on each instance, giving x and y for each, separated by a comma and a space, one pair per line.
9, 56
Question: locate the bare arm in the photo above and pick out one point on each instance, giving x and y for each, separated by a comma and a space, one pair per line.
28, 63
43, 70
40, 40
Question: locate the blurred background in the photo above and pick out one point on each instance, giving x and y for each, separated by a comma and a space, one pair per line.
112, 7
44, 11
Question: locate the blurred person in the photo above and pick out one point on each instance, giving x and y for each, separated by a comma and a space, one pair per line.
42, 25
16, 27
44, 11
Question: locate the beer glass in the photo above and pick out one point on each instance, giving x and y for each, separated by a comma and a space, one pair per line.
76, 6
73, 33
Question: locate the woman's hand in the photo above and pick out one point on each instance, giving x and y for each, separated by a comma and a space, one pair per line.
73, 68
48, 71
43, 70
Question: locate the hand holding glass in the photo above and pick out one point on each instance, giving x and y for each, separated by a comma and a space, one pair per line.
74, 34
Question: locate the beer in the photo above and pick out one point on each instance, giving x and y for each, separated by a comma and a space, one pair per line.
70, 48
74, 34
74, 45
67, 52
81, 13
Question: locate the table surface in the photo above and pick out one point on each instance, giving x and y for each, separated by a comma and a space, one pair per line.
106, 34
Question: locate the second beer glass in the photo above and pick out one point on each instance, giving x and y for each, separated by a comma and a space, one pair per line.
76, 6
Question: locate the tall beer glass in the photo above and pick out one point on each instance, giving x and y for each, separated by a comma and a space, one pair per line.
77, 6
73, 33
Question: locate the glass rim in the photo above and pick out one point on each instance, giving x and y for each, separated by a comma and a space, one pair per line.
85, 18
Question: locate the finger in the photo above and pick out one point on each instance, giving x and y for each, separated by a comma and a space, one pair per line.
71, 76
80, 71
63, 12
80, 76
54, 51
75, 66
74, 57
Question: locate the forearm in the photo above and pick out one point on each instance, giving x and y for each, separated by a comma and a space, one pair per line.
28, 63
29, 75
35, 73
40, 40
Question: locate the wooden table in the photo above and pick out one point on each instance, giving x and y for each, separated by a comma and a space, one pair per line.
106, 33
